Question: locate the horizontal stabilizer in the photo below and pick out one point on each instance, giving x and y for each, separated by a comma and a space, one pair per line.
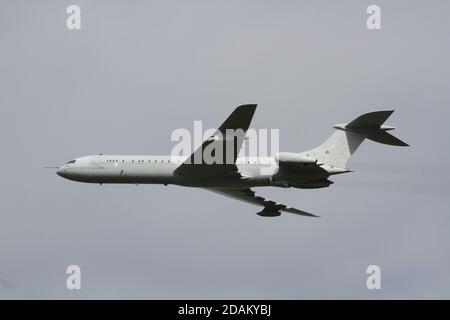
386, 138
370, 120
370, 126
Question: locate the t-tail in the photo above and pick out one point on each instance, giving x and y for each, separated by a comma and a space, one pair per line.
339, 147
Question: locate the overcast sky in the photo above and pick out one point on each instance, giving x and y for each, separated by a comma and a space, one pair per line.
137, 70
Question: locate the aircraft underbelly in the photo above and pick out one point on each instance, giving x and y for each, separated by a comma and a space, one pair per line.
249, 176
222, 183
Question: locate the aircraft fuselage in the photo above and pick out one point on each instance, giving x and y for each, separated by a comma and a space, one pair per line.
146, 169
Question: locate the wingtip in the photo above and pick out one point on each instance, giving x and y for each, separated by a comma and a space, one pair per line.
391, 111
245, 109
247, 106
308, 214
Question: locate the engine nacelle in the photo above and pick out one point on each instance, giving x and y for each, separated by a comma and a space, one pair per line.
292, 157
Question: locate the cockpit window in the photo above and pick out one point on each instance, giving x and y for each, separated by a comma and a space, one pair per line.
72, 161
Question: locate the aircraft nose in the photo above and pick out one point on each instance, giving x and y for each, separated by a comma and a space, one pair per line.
61, 172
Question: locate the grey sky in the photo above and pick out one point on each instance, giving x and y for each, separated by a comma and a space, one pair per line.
139, 69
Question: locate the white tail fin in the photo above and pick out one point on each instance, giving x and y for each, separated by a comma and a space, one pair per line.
339, 147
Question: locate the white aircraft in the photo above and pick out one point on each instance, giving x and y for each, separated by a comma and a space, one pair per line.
233, 176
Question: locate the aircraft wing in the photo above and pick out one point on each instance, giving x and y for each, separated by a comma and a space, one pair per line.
231, 131
271, 208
